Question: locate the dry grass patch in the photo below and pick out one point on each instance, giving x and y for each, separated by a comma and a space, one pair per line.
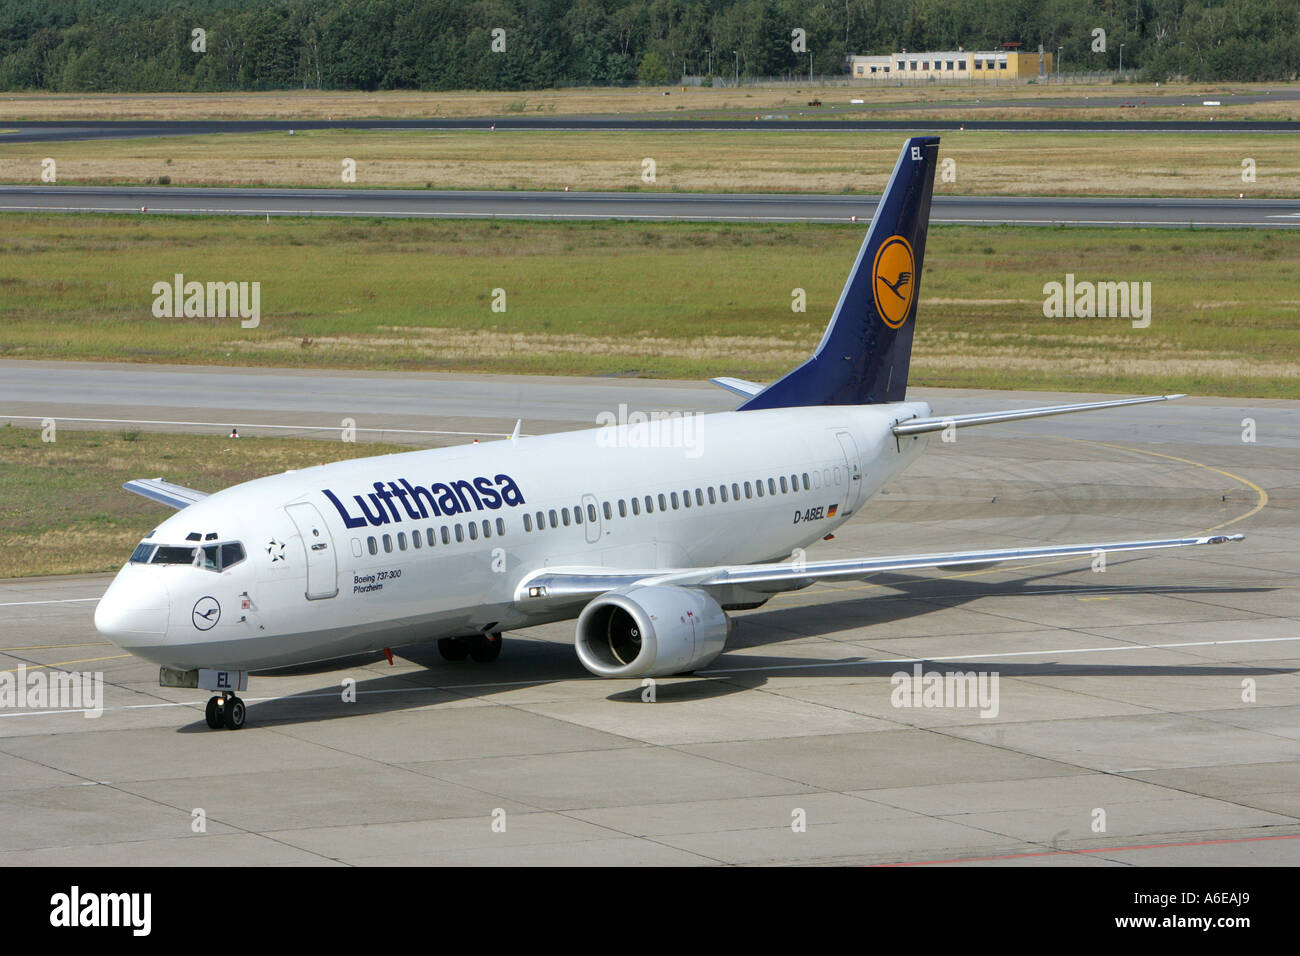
1127, 164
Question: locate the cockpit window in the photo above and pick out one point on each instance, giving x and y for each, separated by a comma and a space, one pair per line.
211, 557
168, 554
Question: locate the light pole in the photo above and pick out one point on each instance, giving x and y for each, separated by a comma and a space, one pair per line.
810, 66
1058, 61
737, 52
1121, 59
709, 54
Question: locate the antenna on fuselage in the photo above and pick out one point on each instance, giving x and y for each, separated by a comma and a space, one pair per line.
515, 434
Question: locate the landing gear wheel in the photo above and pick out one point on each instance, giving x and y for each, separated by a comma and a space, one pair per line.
215, 720
453, 648
485, 648
234, 713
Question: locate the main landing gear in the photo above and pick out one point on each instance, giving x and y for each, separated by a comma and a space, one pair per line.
226, 711
483, 648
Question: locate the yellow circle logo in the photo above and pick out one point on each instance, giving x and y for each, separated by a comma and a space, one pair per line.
893, 280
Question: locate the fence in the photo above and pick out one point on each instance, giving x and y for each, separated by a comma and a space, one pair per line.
897, 80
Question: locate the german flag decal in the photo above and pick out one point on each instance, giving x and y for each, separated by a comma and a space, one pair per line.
893, 280
830, 513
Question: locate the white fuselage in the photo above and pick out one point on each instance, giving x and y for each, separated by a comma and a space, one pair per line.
312, 588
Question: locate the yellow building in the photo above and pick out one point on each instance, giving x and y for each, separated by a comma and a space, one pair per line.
952, 65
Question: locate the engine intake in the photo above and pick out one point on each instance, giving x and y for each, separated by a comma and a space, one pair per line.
650, 631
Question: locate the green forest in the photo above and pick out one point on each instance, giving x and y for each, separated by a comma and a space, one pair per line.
152, 45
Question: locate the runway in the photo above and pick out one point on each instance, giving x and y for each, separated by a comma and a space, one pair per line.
63, 131
1124, 692
711, 207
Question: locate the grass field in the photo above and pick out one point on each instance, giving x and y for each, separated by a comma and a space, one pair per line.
741, 102
1046, 164
62, 507
665, 300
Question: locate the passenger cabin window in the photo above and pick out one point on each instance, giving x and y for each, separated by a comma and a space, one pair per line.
388, 544
372, 544
460, 533
622, 508
636, 506
591, 512
501, 525
428, 534
609, 512
473, 531
401, 540
528, 522
415, 539
446, 535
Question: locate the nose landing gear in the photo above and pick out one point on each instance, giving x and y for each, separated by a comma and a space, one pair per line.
226, 711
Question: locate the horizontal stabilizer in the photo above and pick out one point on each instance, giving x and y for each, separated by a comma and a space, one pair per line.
739, 386
919, 426
164, 492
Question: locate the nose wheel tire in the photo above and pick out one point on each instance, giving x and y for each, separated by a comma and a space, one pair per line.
234, 713
213, 713
485, 648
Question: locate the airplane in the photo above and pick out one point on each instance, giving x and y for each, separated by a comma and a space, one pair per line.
647, 532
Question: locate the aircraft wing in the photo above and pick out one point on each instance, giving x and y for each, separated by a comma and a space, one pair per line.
173, 496
559, 585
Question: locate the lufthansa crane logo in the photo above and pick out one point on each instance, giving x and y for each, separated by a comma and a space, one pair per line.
206, 613
893, 280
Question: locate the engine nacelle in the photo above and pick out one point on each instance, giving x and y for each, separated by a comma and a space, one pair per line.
650, 631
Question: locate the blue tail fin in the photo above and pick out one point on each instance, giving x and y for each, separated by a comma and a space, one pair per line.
864, 355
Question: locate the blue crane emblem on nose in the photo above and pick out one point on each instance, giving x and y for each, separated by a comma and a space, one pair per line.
206, 613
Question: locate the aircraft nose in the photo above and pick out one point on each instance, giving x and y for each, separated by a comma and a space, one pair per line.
133, 613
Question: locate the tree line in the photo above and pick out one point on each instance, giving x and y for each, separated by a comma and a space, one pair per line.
199, 45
